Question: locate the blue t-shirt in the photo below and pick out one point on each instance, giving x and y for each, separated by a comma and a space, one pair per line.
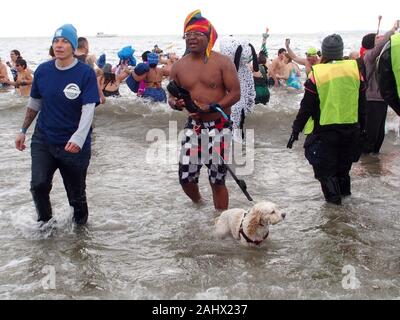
63, 93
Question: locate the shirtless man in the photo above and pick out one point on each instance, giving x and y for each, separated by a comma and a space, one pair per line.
212, 81
311, 58
277, 67
169, 62
3, 74
83, 55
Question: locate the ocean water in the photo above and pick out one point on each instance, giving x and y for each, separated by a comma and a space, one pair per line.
146, 240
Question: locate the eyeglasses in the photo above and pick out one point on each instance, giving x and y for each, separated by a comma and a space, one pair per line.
193, 34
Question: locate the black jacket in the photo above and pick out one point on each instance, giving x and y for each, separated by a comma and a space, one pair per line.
387, 81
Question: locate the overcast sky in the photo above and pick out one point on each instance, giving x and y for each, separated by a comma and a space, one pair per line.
165, 17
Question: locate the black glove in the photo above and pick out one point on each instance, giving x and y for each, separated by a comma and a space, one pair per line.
294, 137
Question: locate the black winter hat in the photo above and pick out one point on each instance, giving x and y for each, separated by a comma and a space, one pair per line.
368, 42
332, 47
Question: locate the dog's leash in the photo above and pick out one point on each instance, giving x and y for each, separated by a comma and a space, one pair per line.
241, 183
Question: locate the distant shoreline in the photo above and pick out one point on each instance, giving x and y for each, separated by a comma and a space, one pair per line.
221, 35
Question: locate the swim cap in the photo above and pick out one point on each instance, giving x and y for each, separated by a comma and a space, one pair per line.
152, 58
332, 47
141, 69
312, 52
126, 54
68, 32
101, 61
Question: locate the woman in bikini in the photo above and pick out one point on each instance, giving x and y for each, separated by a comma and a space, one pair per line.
153, 79
110, 82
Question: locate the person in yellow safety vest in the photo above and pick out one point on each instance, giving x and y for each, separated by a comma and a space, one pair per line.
335, 100
389, 73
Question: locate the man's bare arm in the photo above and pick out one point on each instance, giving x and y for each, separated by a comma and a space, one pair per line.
292, 55
273, 70
173, 102
231, 83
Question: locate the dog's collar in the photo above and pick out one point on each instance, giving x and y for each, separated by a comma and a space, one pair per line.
241, 233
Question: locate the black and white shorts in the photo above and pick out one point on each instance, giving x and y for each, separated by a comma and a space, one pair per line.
204, 144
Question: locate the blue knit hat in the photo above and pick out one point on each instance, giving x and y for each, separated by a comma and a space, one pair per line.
67, 31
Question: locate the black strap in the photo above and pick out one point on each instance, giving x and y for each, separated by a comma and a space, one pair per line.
238, 55
255, 58
241, 232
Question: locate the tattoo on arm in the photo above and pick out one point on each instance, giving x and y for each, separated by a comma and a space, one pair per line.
29, 117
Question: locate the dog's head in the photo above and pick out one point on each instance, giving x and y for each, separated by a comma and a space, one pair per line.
266, 213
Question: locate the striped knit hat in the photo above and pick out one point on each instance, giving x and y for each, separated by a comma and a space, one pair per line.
196, 22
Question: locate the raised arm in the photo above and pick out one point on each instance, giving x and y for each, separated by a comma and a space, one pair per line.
123, 75
372, 54
264, 44
292, 55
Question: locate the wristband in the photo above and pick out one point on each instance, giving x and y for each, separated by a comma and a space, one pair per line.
23, 130
215, 107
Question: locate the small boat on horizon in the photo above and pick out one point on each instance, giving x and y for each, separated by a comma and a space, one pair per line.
105, 35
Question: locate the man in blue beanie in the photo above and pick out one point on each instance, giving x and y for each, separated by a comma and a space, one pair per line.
64, 94
67, 32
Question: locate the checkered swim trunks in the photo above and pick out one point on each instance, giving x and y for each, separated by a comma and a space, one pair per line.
201, 145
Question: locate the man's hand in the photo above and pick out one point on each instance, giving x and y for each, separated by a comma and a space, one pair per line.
72, 148
176, 104
203, 107
20, 142
294, 137
287, 43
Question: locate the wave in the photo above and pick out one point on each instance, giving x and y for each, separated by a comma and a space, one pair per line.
280, 112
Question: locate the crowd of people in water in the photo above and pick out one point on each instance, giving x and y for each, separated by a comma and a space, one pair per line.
281, 71
343, 110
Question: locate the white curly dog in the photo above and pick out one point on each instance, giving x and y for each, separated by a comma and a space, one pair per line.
250, 227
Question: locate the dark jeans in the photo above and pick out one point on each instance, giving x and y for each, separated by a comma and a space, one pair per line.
46, 159
375, 121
